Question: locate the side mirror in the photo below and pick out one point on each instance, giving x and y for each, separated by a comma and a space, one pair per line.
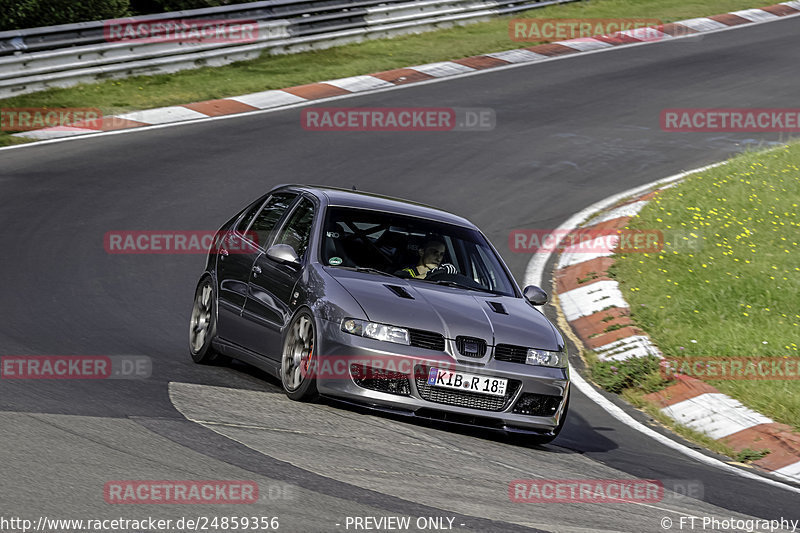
535, 295
283, 253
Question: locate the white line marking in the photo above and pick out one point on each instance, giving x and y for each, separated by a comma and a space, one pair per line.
585, 43
590, 298
646, 34
633, 346
52, 133
358, 84
163, 115
518, 56
443, 69
626, 419
793, 470
628, 210
704, 25
577, 253
533, 276
268, 99
755, 15
715, 414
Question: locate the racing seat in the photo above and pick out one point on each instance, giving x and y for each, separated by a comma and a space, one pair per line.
335, 248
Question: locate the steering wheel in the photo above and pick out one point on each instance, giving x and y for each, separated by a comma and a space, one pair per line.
445, 269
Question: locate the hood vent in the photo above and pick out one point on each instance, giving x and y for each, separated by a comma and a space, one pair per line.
399, 291
497, 307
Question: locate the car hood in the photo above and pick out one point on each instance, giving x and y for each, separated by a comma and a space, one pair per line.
449, 311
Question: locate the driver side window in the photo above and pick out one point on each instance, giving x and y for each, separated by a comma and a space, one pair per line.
297, 231
264, 224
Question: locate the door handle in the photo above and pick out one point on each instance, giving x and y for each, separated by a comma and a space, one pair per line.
256, 270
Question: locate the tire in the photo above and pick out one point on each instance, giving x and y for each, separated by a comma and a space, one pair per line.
298, 363
203, 325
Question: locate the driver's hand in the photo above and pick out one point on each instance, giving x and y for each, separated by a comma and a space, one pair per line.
445, 268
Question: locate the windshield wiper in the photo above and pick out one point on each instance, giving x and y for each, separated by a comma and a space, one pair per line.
462, 286
370, 270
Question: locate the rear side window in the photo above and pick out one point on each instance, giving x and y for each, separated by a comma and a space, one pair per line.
297, 231
273, 210
249, 216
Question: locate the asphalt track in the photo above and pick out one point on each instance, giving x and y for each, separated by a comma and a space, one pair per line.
569, 133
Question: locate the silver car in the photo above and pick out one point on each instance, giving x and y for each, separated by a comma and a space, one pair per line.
382, 302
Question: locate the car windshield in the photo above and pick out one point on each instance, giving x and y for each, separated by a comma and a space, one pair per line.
413, 248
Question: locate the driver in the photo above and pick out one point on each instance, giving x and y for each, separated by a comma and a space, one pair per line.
430, 261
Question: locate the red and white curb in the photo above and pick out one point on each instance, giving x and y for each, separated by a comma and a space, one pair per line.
420, 73
595, 308
591, 301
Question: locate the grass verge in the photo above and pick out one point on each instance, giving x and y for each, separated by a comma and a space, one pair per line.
632, 380
276, 72
727, 280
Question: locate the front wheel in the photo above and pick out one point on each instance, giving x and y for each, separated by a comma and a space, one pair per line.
298, 359
203, 325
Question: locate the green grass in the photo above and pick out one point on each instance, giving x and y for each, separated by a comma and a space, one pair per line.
727, 281
748, 455
641, 374
275, 72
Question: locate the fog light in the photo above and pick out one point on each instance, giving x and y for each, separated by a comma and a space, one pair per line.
352, 326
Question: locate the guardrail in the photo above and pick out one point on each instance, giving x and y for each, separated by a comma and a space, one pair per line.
61, 56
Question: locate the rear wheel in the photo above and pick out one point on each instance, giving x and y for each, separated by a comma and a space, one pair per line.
203, 325
298, 360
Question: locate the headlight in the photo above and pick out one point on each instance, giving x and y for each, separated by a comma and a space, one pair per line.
546, 358
380, 332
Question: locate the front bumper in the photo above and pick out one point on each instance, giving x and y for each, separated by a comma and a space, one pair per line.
534, 402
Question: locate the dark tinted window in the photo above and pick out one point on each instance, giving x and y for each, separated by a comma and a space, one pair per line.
393, 243
273, 210
297, 230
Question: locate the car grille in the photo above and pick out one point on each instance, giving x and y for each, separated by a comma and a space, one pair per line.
537, 404
478, 346
380, 380
471, 400
426, 339
510, 353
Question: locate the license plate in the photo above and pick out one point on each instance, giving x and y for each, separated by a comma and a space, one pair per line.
467, 382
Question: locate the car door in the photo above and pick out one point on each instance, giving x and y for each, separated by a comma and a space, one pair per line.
237, 252
269, 302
